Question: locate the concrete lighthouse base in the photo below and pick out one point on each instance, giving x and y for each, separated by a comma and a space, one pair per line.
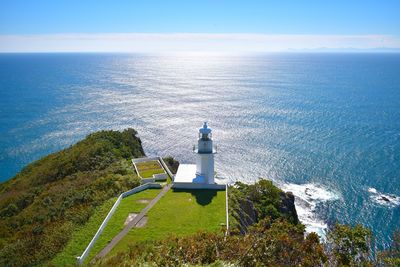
186, 178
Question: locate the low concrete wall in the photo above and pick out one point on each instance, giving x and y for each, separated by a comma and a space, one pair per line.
144, 159
110, 213
227, 210
156, 178
147, 180
141, 188
160, 176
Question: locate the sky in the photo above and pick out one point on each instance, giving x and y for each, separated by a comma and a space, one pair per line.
203, 25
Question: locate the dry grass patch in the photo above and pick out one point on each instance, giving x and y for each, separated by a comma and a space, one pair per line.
148, 168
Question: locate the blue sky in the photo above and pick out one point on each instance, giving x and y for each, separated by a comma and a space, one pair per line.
43, 20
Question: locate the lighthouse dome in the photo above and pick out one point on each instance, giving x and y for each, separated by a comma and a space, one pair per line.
205, 129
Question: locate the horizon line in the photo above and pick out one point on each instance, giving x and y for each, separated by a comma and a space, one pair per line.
193, 42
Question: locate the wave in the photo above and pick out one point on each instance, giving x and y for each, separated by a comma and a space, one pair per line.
307, 197
388, 200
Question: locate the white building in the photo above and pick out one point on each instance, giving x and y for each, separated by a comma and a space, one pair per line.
200, 175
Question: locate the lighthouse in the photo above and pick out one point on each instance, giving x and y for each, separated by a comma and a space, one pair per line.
200, 175
205, 155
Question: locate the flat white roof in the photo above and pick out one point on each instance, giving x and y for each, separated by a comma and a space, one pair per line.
187, 174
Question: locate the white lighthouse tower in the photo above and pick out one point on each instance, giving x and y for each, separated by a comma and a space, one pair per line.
200, 175
205, 155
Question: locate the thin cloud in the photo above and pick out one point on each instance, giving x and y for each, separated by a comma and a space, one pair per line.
191, 42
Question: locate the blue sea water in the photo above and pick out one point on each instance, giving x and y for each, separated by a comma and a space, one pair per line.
325, 126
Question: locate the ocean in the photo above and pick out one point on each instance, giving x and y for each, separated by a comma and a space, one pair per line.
324, 126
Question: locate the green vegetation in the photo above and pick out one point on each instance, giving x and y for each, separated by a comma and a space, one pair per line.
250, 203
278, 243
350, 246
179, 213
82, 236
172, 164
148, 168
266, 233
391, 256
43, 205
130, 204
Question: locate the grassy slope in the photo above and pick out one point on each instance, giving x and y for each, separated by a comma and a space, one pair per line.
179, 213
49, 199
128, 205
82, 236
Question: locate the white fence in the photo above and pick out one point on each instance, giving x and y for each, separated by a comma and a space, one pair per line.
227, 209
144, 159
166, 168
111, 212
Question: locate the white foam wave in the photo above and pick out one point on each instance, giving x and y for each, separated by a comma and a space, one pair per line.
372, 190
307, 197
388, 200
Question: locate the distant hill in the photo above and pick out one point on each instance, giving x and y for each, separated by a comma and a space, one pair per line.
345, 50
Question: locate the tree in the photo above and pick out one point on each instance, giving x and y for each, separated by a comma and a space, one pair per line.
391, 256
349, 246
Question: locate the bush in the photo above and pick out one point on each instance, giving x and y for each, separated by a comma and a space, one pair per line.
250, 203
11, 210
172, 164
391, 256
350, 246
268, 243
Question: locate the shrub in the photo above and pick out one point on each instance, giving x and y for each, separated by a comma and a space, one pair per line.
349, 246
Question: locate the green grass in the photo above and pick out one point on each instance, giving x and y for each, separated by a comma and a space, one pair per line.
82, 236
149, 173
179, 213
148, 168
128, 205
